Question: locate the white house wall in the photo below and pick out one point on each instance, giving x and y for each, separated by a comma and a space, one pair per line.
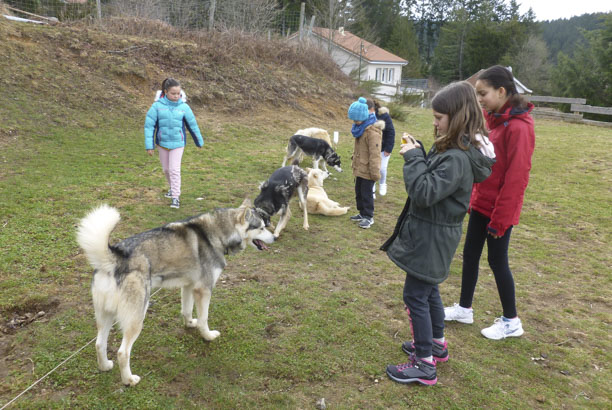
349, 62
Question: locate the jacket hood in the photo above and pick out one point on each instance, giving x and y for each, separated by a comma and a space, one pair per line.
380, 124
508, 112
481, 164
382, 110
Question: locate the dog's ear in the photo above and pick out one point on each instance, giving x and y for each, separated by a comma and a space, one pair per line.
246, 203
307, 170
244, 215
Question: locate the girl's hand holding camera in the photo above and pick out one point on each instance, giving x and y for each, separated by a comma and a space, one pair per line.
408, 143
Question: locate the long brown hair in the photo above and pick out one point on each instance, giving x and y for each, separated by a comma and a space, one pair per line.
465, 119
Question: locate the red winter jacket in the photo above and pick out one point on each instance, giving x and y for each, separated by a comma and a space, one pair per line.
500, 197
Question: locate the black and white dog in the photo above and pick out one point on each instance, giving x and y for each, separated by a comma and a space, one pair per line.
314, 147
277, 191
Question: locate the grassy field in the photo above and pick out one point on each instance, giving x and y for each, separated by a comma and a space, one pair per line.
320, 314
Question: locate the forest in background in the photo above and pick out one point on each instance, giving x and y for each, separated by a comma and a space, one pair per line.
448, 40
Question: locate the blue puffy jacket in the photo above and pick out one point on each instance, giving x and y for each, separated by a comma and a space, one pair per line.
166, 122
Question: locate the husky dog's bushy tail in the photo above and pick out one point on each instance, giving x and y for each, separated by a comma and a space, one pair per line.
93, 235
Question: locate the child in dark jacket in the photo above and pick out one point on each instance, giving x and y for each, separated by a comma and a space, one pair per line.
496, 203
388, 141
428, 230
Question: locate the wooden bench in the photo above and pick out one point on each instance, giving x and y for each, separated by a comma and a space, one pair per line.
591, 109
577, 107
558, 100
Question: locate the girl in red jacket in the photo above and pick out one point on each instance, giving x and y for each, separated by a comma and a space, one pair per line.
496, 202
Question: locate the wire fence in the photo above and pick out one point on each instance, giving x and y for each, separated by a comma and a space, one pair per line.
253, 16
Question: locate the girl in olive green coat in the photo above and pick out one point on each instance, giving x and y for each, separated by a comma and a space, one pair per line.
428, 231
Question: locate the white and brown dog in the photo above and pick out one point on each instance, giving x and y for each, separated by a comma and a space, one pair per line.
313, 132
317, 201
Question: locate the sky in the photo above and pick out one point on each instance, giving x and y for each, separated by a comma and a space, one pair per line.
564, 9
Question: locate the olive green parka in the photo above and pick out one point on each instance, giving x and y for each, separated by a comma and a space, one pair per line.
429, 228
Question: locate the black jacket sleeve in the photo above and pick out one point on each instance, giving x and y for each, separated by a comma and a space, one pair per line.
388, 139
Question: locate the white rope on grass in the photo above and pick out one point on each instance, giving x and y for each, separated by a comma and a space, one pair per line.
58, 366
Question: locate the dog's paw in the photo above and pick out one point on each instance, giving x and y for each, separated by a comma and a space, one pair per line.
105, 366
306, 226
132, 380
191, 323
211, 335
276, 235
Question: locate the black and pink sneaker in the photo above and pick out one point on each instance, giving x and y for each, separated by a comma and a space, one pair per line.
420, 371
439, 351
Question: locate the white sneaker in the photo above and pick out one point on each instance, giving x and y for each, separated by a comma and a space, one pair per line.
503, 328
459, 313
383, 189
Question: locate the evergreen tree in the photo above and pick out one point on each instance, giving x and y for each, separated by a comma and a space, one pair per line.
478, 34
586, 74
564, 34
403, 43
531, 65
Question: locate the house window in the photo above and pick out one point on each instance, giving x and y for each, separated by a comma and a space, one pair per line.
384, 75
377, 74
391, 75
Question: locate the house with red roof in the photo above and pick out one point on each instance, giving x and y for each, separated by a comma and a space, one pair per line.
354, 54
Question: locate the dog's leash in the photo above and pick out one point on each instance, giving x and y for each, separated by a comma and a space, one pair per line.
58, 366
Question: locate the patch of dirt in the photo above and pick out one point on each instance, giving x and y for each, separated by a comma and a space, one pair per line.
8, 137
22, 316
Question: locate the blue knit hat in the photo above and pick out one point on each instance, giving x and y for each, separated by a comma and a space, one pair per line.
358, 111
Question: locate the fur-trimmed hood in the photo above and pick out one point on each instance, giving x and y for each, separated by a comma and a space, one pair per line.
380, 124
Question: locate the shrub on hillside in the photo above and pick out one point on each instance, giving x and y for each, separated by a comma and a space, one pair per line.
228, 46
397, 112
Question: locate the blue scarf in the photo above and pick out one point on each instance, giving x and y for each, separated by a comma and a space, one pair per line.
358, 130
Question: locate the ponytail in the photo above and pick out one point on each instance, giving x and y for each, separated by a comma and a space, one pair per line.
499, 76
167, 84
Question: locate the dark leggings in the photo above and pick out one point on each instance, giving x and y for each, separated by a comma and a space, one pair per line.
426, 313
364, 196
498, 261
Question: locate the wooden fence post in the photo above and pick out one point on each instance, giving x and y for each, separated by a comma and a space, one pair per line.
302, 12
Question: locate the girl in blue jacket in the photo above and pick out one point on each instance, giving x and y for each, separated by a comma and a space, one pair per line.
165, 126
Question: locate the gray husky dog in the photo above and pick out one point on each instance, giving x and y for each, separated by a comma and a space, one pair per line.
277, 191
188, 254
316, 148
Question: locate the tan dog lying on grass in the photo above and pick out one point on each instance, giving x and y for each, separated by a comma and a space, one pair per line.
312, 132
317, 201
319, 133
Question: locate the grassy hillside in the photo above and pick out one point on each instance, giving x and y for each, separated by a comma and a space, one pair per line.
320, 315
